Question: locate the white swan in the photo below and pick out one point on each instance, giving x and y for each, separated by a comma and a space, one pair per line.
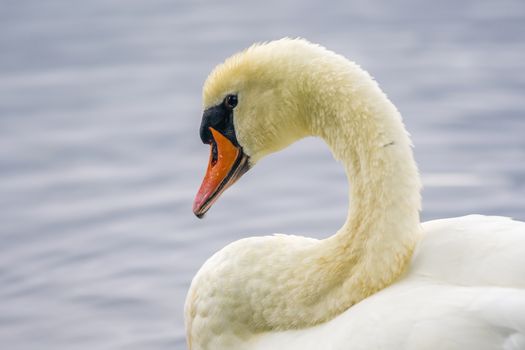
383, 281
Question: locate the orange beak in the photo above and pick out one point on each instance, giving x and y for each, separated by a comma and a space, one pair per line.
226, 165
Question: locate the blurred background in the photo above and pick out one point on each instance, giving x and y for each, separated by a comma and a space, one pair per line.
100, 103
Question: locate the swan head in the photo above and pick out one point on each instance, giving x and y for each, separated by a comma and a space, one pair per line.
272, 94
252, 103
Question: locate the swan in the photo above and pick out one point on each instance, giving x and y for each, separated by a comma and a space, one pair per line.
384, 280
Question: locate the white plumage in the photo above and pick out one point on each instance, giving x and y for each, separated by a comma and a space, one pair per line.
464, 290
383, 281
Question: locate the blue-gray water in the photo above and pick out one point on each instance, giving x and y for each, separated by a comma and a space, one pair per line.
100, 156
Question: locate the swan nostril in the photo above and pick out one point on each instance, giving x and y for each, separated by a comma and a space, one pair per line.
214, 152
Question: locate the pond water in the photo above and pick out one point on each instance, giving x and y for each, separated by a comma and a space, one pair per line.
100, 155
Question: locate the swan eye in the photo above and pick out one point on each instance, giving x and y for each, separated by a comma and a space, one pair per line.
231, 101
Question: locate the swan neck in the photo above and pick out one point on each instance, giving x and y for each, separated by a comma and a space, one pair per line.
365, 132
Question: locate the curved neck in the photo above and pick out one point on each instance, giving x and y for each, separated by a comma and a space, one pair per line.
382, 225
373, 248
365, 132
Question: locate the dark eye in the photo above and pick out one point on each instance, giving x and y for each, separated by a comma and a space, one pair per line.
231, 101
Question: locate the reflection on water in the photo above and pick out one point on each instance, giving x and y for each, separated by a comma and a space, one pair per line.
100, 155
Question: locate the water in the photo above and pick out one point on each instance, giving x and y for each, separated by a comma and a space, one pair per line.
100, 156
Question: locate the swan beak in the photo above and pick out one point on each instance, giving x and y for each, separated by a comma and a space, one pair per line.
226, 165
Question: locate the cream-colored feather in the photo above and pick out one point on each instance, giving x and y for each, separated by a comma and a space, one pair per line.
291, 292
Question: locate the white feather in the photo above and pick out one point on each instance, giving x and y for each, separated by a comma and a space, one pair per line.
456, 295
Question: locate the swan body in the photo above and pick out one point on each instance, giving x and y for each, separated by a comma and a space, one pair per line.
454, 296
384, 280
